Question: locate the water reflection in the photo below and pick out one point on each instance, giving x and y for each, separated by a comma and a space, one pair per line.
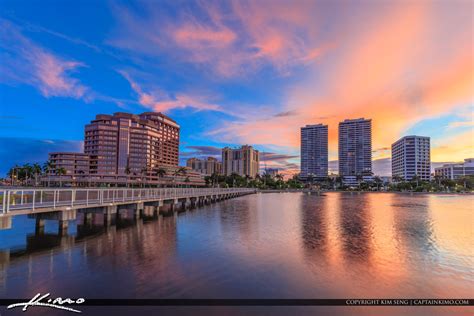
314, 227
413, 224
265, 245
355, 227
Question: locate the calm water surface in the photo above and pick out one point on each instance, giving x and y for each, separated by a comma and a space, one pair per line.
278, 245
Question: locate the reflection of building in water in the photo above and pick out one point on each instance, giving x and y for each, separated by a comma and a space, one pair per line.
355, 227
239, 219
413, 224
314, 226
87, 225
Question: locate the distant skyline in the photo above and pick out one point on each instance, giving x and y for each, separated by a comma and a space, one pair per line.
238, 72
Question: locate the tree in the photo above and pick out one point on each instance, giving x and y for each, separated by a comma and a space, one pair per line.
60, 172
397, 178
179, 171
416, 178
378, 181
161, 172
143, 172
310, 178
359, 178
466, 181
48, 166
279, 178
37, 171
127, 172
247, 179
13, 173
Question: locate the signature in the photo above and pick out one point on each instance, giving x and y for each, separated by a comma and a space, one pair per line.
44, 301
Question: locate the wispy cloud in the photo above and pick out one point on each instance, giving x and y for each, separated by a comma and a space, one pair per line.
202, 151
28, 63
231, 39
161, 101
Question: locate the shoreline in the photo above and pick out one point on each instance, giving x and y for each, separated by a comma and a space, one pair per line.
359, 192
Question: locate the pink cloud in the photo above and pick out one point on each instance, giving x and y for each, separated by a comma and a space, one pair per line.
160, 101
53, 79
36, 66
232, 40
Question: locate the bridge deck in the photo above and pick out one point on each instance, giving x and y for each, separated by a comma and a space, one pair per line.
27, 201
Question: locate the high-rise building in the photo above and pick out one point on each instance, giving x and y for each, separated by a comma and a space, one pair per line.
125, 143
355, 150
125, 149
314, 151
411, 157
207, 166
455, 171
244, 161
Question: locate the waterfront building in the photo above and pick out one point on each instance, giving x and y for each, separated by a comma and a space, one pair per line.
314, 152
355, 151
272, 172
125, 143
455, 171
243, 161
411, 158
70, 163
123, 149
207, 166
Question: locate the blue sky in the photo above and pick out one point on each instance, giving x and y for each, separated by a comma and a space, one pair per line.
235, 72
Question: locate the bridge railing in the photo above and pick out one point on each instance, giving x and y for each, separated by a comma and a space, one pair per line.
33, 199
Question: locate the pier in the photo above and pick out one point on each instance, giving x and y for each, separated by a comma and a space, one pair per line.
63, 204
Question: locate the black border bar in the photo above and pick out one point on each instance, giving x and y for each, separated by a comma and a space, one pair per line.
263, 302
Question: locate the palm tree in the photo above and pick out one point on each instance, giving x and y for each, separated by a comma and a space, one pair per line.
359, 178
36, 171
437, 179
161, 172
60, 172
47, 168
416, 178
279, 178
247, 179
179, 171
378, 181
214, 178
143, 172
13, 173
127, 172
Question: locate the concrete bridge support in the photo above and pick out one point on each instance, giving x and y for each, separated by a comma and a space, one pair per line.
5, 222
110, 214
63, 218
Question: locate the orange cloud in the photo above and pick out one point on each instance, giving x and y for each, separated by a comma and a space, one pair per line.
388, 72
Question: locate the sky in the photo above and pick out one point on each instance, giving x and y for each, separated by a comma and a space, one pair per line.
238, 72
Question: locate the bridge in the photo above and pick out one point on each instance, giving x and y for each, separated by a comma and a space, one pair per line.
62, 204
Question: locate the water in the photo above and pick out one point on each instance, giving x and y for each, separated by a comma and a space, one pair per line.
277, 245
